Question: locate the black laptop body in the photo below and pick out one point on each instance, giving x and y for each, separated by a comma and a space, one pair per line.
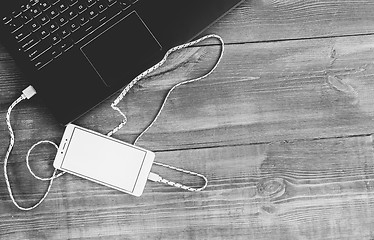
76, 53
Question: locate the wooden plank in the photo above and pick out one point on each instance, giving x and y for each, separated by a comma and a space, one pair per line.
314, 189
268, 20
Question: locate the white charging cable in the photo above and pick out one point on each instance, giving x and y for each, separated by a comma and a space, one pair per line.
30, 92
155, 177
27, 93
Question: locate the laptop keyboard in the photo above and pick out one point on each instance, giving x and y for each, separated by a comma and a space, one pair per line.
45, 29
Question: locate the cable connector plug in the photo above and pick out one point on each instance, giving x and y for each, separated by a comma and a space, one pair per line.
154, 177
29, 92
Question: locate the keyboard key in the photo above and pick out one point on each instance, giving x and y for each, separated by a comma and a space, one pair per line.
101, 5
90, 2
43, 59
38, 49
45, 5
26, 17
81, 7
55, 38
33, 53
43, 33
52, 13
55, 52
21, 33
83, 18
62, 20
73, 26
73, 12
16, 13
65, 45
7, 19
35, 11
29, 42
62, 6
52, 27
34, 25
93, 11
63, 32
124, 5
43, 20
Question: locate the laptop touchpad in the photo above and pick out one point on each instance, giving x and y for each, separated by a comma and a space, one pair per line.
122, 52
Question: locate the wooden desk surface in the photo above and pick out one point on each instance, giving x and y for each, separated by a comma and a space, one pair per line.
282, 129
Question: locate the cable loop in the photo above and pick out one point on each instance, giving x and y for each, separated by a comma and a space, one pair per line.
28, 161
10, 147
30, 92
148, 71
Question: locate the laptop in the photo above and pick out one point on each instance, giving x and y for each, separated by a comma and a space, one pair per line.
77, 53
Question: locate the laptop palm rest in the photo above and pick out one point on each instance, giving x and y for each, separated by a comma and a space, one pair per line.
122, 50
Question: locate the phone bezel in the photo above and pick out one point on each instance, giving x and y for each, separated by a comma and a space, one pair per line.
144, 171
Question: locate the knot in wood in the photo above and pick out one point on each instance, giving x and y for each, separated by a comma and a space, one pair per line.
274, 187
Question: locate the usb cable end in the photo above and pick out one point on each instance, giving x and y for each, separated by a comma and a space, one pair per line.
29, 92
154, 177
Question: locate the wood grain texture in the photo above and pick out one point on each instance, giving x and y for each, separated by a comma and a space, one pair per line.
282, 129
261, 92
292, 190
274, 20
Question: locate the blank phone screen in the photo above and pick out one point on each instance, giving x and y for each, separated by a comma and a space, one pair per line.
102, 159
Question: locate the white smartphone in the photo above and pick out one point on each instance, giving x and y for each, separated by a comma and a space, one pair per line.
104, 160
